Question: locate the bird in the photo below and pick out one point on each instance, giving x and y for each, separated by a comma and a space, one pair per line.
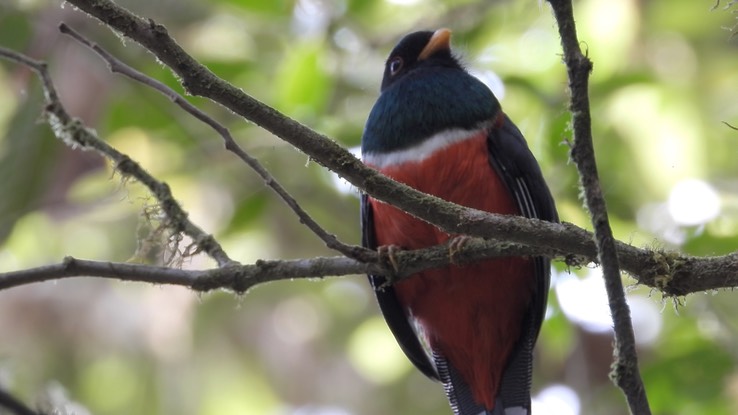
440, 130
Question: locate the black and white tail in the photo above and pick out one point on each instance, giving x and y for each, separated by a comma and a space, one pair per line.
513, 396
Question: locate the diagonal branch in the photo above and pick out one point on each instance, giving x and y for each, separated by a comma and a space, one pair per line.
117, 66
625, 368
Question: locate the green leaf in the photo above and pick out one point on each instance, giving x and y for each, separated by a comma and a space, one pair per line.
249, 212
689, 379
302, 84
269, 7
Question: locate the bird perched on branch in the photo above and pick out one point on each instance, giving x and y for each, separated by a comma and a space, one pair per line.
440, 130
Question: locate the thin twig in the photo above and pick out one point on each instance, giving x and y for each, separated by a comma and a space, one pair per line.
117, 66
625, 368
74, 134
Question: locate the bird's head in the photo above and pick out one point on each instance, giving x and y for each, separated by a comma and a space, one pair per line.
425, 90
419, 50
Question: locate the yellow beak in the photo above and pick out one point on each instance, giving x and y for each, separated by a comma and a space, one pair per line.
440, 40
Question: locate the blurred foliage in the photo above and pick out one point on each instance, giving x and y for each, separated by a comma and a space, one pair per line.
664, 81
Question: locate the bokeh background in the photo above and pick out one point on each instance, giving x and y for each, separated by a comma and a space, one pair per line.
664, 80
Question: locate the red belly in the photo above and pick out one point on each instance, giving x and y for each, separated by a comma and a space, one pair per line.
472, 314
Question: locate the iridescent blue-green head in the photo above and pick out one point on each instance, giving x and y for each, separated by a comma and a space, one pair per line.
425, 90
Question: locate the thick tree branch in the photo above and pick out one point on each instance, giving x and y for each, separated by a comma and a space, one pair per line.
625, 368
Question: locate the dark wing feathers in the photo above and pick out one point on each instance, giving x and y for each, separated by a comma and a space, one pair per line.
515, 164
510, 157
391, 308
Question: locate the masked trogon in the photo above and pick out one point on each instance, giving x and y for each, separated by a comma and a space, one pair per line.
440, 130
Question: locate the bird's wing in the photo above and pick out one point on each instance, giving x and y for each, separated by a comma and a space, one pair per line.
515, 164
394, 312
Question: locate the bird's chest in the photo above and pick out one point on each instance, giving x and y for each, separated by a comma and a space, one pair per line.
460, 173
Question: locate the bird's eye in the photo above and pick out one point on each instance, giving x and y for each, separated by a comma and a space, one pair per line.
395, 65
